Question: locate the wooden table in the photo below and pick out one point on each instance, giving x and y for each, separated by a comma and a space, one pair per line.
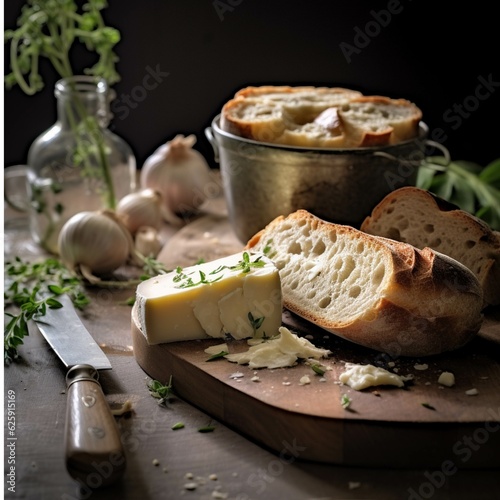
220, 464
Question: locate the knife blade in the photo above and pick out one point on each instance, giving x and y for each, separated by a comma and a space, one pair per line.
94, 452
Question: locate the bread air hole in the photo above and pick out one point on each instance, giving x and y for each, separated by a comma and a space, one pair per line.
294, 248
470, 244
311, 294
324, 302
403, 224
394, 234
348, 268
429, 228
294, 284
378, 274
435, 243
354, 291
319, 248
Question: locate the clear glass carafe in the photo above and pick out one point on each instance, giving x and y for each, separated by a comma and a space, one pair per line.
78, 164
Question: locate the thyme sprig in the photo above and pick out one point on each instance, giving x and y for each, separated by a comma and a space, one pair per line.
32, 287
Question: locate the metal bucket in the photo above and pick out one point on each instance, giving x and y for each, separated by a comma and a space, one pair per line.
262, 181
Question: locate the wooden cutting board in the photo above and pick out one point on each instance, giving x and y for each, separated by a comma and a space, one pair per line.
422, 425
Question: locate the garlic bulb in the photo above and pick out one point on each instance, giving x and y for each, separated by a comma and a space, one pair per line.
180, 174
140, 209
147, 241
94, 242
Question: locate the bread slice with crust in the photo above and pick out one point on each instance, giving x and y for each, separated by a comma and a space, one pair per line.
377, 120
319, 117
373, 291
420, 218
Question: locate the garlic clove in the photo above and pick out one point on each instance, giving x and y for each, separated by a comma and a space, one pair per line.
147, 241
181, 174
97, 241
143, 208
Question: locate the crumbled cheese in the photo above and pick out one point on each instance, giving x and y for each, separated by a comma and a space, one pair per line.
278, 352
421, 367
213, 477
216, 349
190, 486
155, 462
304, 380
472, 392
255, 379
360, 377
447, 379
236, 375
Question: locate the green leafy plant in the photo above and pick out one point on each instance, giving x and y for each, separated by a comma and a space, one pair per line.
466, 184
161, 392
32, 287
49, 29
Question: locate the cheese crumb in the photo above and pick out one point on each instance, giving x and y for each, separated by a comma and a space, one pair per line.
155, 462
304, 380
255, 379
278, 352
190, 486
216, 349
421, 367
212, 477
472, 392
447, 379
360, 377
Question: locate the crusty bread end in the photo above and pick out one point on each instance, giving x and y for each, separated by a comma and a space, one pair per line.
373, 291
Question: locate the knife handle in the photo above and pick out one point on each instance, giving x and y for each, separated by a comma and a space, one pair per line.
94, 452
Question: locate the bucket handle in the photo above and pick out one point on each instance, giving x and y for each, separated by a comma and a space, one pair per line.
211, 139
416, 163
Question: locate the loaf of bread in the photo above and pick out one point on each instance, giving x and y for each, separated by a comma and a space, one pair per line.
420, 218
321, 117
376, 292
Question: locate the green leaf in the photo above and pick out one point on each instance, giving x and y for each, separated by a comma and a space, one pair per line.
219, 355
491, 174
177, 426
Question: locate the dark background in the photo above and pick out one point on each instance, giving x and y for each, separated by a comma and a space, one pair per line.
213, 48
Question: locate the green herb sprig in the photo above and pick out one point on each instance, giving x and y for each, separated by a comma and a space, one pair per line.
49, 29
162, 392
466, 184
33, 287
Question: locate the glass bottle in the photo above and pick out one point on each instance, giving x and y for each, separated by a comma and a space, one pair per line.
78, 164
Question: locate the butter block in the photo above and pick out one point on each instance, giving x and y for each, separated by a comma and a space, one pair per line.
239, 295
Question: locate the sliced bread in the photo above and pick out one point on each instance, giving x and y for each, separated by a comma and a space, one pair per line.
420, 218
319, 117
373, 291
377, 120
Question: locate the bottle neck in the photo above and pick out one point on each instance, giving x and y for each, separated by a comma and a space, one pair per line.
80, 98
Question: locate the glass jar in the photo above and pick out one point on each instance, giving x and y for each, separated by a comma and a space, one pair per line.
78, 164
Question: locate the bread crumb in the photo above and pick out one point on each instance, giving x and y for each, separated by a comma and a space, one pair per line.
165, 470
155, 462
219, 495
285, 383
354, 484
304, 380
391, 364
447, 379
472, 392
123, 409
190, 486
236, 375
213, 477
322, 379
188, 475
255, 379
